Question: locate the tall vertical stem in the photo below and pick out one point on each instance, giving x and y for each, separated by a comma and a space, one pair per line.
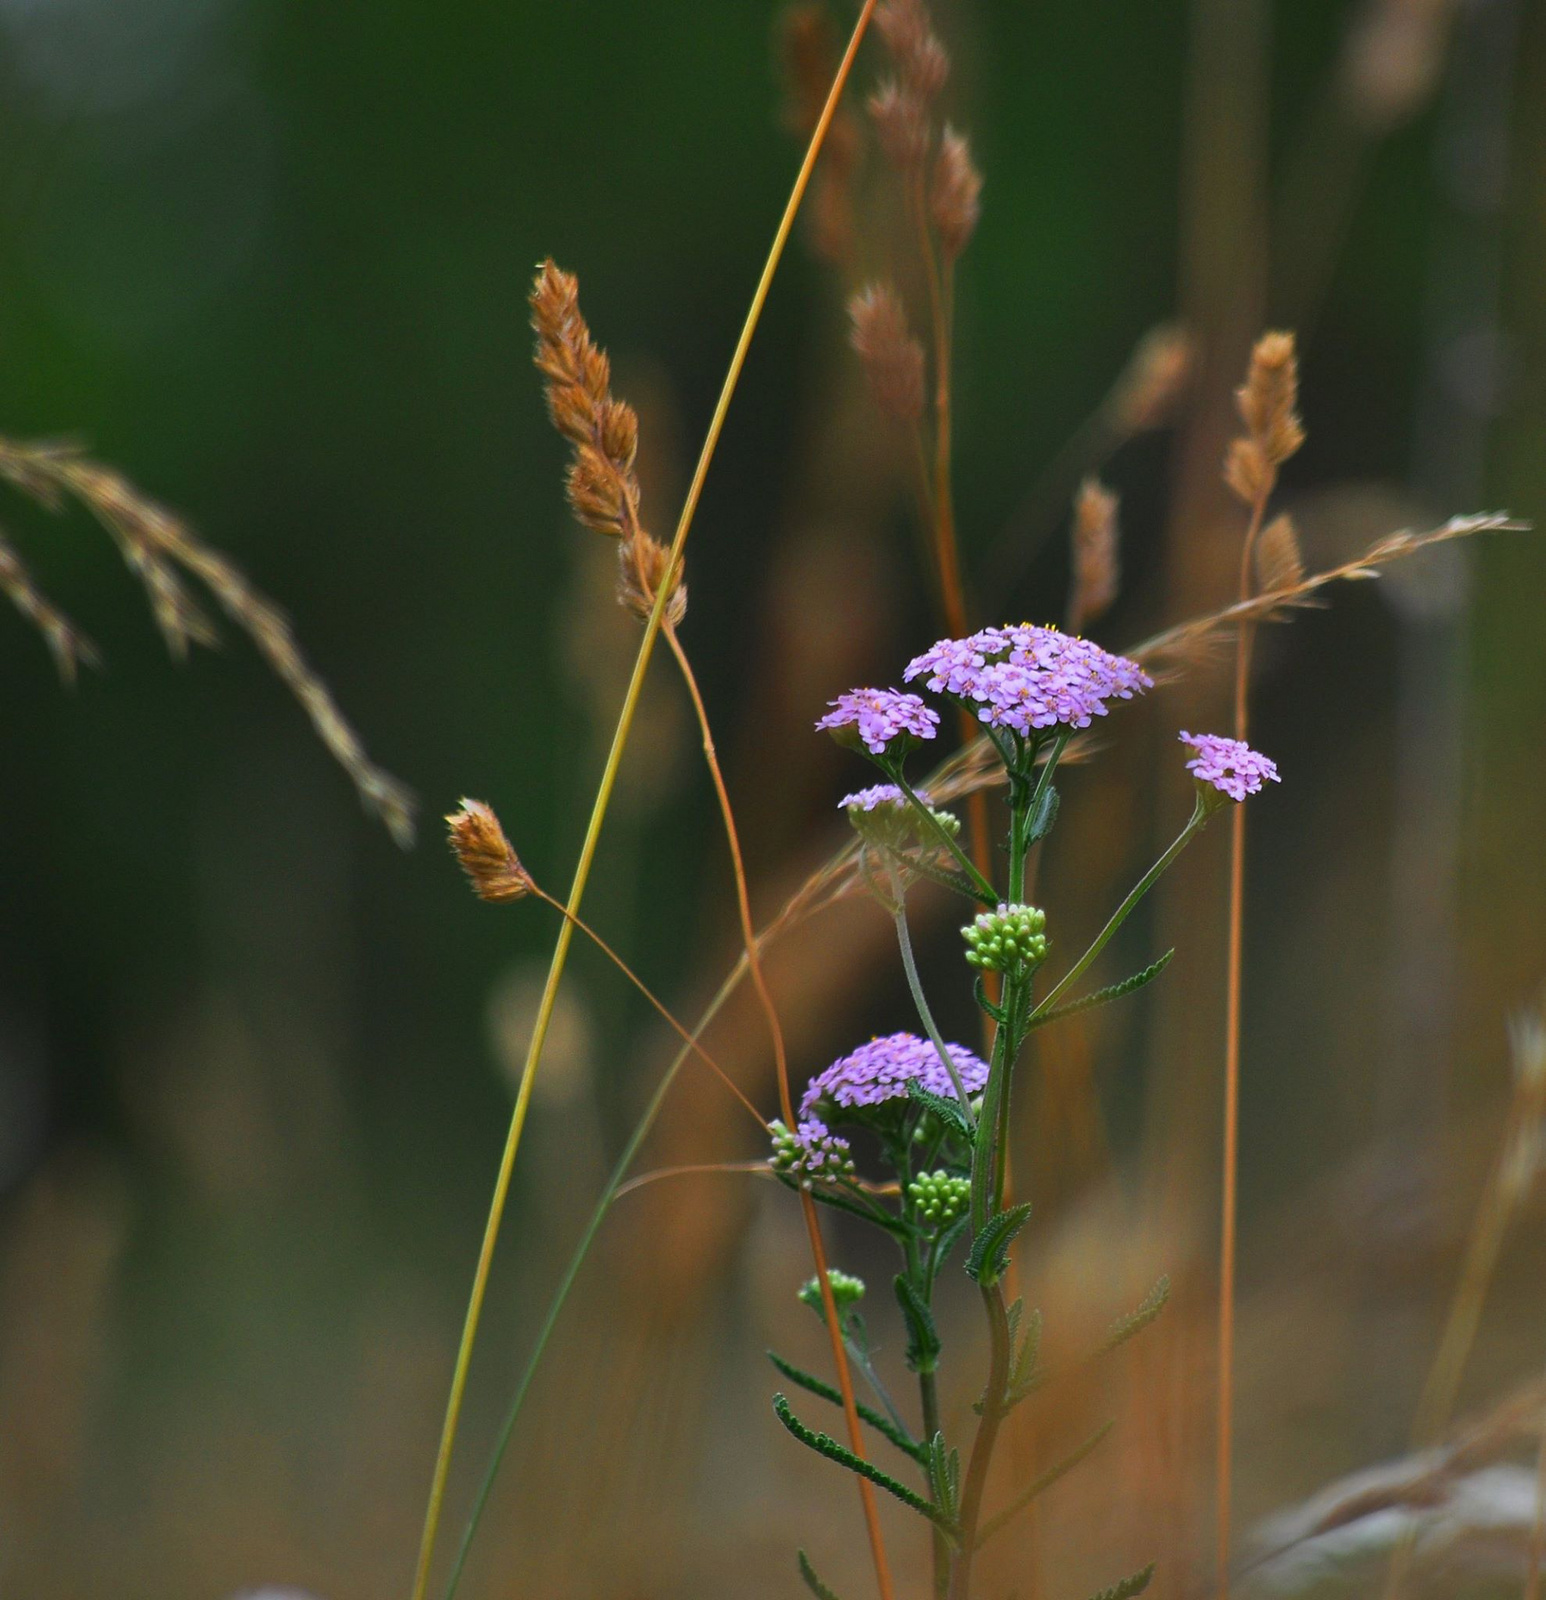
1224, 1467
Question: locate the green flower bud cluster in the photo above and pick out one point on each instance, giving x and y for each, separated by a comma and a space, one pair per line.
847, 1291
939, 1198
1011, 937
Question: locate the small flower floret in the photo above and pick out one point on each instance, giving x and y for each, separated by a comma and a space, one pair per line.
881, 1070
810, 1154
886, 721
1229, 766
1006, 940
938, 1198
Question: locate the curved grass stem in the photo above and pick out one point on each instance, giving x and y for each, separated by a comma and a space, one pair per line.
652, 628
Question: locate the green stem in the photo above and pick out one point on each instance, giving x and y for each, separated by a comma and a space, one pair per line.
985, 890
987, 1438
904, 939
1120, 915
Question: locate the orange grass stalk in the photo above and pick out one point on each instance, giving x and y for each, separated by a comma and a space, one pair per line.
1268, 406
652, 628
786, 1105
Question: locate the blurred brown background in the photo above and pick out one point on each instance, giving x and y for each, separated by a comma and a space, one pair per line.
255, 1064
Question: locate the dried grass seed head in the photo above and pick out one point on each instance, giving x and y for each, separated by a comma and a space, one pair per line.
955, 195
1279, 564
1147, 393
908, 33
479, 843
1269, 398
602, 485
643, 564
892, 357
809, 51
901, 125
1097, 559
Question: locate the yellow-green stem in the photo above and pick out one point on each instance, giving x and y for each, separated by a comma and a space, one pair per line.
599, 811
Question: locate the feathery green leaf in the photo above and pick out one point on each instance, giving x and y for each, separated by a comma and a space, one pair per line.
922, 1335
946, 1108
812, 1582
1126, 1588
990, 1249
1105, 996
1124, 1328
1040, 1486
881, 1423
825, 1445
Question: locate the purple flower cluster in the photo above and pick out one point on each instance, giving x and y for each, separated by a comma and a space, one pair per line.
880, 716
812, 1153
882, 1069
1028, 677
1232, 767
877, 795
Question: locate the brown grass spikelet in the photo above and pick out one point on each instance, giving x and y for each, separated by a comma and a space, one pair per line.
892, 357
809, 51
1269, 398
1279, 564
955, 194
908, 33
602, 486
643, 564
159, 549
479, 844
901, 125
1157, 374
1097, 561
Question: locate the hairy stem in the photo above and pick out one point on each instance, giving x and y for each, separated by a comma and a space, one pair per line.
501, 1193
986, 1439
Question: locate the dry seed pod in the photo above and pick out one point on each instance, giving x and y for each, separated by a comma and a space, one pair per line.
955, 196
1097, 566
1279, 564
643, 564
892, 357
492, 867
1270, 395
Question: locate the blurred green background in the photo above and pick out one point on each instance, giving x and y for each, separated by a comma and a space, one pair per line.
271, 261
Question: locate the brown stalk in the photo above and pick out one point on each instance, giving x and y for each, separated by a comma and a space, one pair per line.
786, 1103
1267, 404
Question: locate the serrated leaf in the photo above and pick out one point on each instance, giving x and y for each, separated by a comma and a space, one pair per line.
883, 1425
984, 1004
1024, 1364
1134, 1322
945, 1475
947, 1109
825, 1445
1105, 996
1126, 1588
990, 1249
922, 1334
1040, 1486
812, 1582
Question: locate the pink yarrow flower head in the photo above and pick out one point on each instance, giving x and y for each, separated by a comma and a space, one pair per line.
877, 797
1026, 678
1229, 766
881, 1070
882, 719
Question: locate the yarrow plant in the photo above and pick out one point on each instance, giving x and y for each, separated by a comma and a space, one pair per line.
937, 1114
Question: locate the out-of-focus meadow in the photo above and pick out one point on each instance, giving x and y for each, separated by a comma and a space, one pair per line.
256, 1063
